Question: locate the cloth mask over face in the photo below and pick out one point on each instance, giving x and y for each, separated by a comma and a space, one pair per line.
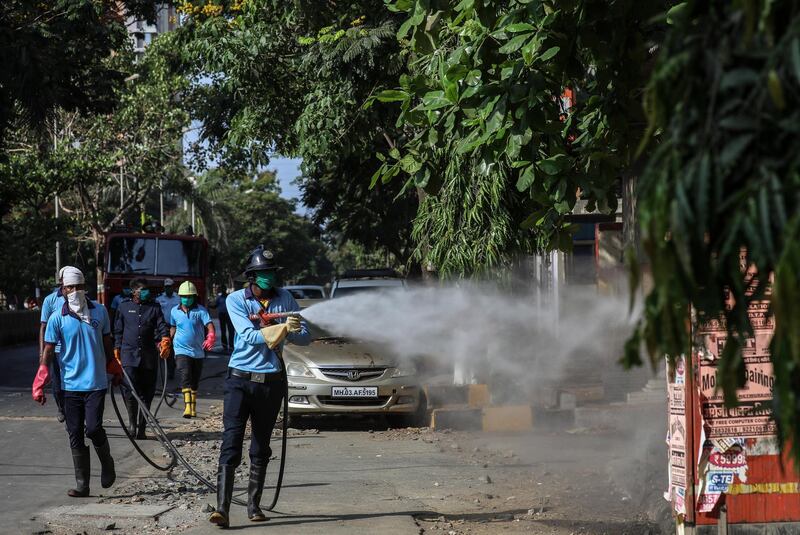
187, 301
265, 279
77, 304
144, 294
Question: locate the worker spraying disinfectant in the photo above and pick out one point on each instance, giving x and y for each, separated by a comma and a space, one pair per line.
256, 380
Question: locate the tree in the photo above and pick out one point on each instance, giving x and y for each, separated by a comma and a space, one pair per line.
291, 78
87, 158
724, 108
253, 213
54, 56
502, 157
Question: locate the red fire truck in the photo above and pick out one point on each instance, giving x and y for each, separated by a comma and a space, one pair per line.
153, 257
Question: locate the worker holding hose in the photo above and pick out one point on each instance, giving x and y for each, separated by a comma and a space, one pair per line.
192, 335
141, 336
83, 329
255, 384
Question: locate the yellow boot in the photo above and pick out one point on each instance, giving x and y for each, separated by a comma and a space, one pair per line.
194, 403
187, 400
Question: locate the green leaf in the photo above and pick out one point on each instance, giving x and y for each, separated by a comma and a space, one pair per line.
391, 95
526, 178
733, 149
739, 77
677, 13
434, 100
514, 44
795, 56
519, 27
549, 53
554, 165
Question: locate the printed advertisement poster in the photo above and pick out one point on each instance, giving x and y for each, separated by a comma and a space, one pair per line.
677, 437
751, 419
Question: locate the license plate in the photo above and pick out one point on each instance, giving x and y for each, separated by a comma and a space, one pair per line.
354, 391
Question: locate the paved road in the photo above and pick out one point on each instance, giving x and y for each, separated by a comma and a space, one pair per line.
35, 461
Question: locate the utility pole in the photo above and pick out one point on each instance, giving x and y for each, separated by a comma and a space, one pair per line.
58, 242
161, 202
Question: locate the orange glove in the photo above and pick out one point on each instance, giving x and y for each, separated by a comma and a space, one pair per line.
114, 369
165, 347
118, 355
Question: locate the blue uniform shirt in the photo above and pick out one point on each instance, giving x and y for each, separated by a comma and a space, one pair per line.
250, 352
83, 357
189, 330
167, 304
116, 301
220, 303
52, 303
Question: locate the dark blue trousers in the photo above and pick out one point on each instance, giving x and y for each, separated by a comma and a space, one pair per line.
84, 417
55, 380
258, 402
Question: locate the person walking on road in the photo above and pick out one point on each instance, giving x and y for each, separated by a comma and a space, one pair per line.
188, 324
254, 386
83, 329
225, 325
52, 303
167, 301
141, 336
126, 293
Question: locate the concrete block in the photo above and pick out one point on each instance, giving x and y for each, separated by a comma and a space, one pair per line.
508, 418
478, 396
463, 419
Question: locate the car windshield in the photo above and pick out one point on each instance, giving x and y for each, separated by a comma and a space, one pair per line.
138, 255
351, 290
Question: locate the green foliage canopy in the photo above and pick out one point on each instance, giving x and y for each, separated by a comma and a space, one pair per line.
484, 103
724, 106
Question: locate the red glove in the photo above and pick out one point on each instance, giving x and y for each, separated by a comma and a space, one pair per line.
114, 369
41, 380
211, 338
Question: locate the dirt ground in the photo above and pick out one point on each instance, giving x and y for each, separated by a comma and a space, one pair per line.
581, 481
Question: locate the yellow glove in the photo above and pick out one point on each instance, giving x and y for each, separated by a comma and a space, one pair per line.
293, 324
274, 334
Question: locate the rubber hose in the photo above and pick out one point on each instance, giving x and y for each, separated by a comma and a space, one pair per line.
176, 455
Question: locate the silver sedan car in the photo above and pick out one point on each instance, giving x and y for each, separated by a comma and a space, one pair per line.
334, 375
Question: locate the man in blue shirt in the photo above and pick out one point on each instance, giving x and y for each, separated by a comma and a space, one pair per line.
167, 301
126, 293
52, 303
141, 336
225, 325
256, 381
84, 332
188, 322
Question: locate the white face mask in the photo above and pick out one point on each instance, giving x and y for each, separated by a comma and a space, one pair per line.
77, 300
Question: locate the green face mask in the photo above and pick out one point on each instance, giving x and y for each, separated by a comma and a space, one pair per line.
265, 279
187, 301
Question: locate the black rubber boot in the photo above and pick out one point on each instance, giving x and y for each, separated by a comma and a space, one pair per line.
140, 427
221, 516
107, 474
133, 411
81, 462
254, 490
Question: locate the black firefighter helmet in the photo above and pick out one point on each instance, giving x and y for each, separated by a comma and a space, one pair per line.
260, 259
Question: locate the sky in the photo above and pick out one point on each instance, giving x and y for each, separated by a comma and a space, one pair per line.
287, 170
